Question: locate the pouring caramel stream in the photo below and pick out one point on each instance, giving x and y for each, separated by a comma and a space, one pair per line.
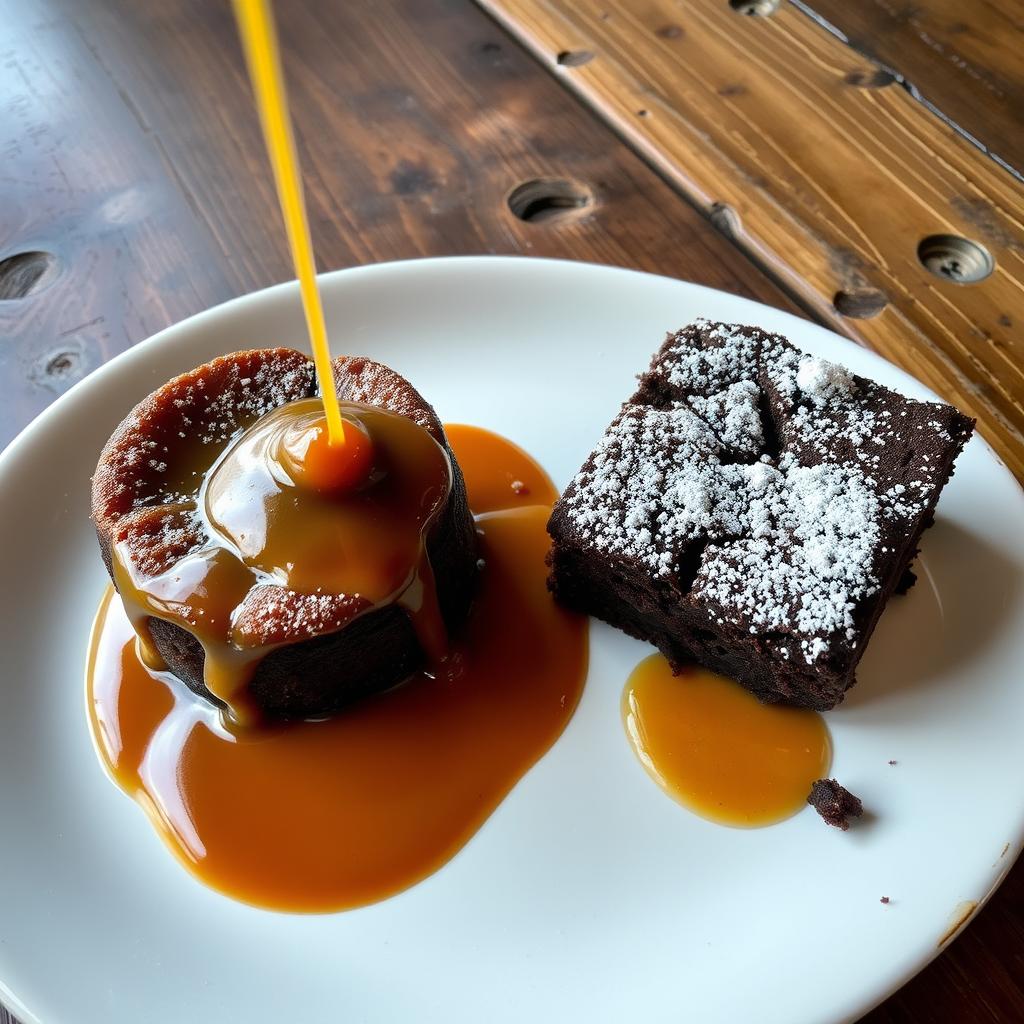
263, 59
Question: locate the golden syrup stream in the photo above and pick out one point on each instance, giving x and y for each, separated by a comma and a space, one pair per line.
262, 54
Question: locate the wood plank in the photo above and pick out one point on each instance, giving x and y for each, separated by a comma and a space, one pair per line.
963, 58
132, 155
829, 178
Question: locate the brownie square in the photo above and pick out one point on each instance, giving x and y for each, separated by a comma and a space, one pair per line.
752, 508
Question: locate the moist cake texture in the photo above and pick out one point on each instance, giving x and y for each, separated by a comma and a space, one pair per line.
322, 650
752, 508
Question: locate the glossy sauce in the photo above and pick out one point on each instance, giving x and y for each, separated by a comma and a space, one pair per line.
719, 751
269, 521
333, 814
511, 481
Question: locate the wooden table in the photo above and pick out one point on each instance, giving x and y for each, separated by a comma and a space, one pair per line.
856, 162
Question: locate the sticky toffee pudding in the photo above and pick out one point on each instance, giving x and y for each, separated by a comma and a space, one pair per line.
336, 812
262, 586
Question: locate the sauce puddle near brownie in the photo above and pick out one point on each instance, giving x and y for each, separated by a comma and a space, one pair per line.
720, 752
332, 814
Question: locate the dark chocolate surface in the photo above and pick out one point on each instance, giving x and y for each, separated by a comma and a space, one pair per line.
752, 508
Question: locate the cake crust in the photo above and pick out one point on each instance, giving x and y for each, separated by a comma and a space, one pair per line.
752, 508
325, 650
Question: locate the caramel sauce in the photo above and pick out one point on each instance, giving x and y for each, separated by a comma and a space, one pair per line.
269, 520
512, 481
716, 749
326, 815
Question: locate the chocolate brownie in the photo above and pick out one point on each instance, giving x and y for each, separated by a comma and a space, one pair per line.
323, 651
752, 508
835, 804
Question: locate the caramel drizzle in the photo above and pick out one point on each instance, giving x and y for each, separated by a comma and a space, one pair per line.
366, 549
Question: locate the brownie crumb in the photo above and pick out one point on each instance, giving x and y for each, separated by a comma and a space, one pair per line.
907, 580
752, 508
834, 803
884, 899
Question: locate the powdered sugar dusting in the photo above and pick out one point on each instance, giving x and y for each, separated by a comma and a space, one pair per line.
273, 614
157, 537
791, 536
736, 415
242, 399
804, 557
367, 381
822, 381
650, 487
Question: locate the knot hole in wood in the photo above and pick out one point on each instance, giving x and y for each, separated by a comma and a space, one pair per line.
862, 79
860, 303
26, 272
755, 8
574, 58
58, 368
543, 200
726, 220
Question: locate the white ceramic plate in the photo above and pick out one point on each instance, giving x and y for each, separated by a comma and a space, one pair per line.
589, 895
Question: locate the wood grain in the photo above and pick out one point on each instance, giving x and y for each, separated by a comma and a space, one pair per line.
131, 153
962, 58
787, 140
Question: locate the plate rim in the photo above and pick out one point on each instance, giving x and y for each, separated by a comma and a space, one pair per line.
209, 318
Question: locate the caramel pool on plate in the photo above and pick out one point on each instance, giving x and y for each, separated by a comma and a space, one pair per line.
719, 751
338, 813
